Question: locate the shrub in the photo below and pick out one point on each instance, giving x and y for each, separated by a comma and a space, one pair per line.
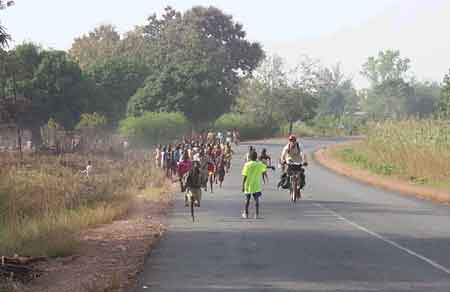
153, 128
247, 126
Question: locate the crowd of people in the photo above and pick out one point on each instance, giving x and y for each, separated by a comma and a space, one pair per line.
201, 162
198, 162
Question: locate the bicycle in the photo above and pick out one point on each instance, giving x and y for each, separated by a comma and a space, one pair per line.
296, 174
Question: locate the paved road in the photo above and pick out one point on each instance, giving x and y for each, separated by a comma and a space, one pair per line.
344, 236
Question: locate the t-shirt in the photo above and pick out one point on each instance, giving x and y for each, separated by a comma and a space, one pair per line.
184, 166
194, 179
253, 170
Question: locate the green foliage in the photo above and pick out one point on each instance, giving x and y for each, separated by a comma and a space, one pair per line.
92, 121
444, 102
198, 60
336, 94
387, 66
391, 96
98, 45
117, 78
360, 158
152, 128
247, 126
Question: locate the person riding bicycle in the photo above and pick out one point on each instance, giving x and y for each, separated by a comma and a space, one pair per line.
292, 153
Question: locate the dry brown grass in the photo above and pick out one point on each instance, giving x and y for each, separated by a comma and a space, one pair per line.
45, 200
415, 150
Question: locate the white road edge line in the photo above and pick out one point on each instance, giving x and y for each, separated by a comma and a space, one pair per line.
393, 243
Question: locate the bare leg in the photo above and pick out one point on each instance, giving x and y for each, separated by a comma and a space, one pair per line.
247, 204
257, 207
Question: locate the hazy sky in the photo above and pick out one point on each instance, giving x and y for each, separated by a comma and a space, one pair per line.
332, 30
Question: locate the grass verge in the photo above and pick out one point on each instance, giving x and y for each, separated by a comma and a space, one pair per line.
45, 201
351, 160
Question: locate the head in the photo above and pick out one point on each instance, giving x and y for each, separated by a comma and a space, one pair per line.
253, 155
292, 139
89, 162
251, 149
264, 151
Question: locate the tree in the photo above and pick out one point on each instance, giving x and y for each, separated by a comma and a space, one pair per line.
118, 78
389, 91
4, 36
59, 90
388, 100
424, 100
337, 94
387, 66
199, 59
296, 104
100, 44
444, 102
259, 96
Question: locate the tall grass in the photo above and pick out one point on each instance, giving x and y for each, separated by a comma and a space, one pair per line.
415, 149
45, 201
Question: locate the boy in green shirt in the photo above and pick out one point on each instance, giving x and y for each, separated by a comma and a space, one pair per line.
251, 184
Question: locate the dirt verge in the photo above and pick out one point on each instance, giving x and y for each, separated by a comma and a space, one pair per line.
111, 256
325, 158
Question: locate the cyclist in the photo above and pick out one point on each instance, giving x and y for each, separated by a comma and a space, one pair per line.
292, 153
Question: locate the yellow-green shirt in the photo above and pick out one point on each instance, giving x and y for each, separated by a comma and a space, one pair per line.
253, 170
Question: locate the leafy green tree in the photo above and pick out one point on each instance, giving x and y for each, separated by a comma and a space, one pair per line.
388, 100
337, 95
424, 101
259, 95
118, 78
296, 104
59, 90
389, 92
444, 102
198, 61
100, 44
387, 66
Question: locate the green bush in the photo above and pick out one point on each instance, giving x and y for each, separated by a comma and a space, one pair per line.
152, 128
298, 129
247, 126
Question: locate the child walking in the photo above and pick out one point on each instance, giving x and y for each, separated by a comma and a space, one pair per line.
251, 183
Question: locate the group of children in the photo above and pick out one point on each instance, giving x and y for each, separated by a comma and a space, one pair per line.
196, 165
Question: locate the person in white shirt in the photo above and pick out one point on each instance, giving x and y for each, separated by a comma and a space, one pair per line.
88, 169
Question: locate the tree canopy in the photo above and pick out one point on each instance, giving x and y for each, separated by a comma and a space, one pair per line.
198, 60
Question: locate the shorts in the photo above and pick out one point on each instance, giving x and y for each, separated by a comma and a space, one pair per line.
256, 196
194, 194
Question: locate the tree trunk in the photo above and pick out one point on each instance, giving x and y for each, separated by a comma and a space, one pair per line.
291, 127
36, 137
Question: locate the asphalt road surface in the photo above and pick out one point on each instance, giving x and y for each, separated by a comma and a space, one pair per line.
342, 236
